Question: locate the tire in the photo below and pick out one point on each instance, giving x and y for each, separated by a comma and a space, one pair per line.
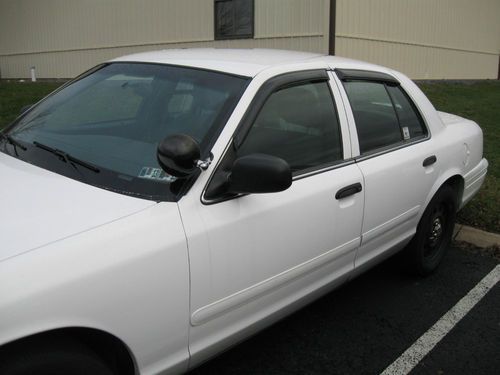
63, 357
434, 232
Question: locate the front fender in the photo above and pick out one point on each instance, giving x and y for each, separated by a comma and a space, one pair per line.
129, 278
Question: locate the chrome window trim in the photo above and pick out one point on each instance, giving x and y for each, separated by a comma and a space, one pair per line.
391, 148
322, 169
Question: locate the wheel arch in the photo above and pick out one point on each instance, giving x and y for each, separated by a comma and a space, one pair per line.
454, 179
108, 347
457, 183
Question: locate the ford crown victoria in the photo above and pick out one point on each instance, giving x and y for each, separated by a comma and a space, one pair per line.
164, 206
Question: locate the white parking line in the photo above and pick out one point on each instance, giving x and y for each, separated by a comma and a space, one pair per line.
415, 353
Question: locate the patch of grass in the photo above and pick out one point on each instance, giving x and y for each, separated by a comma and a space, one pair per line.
16, 95
483, 210
478, 101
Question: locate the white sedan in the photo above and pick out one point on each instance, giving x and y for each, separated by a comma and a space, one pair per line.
164, 206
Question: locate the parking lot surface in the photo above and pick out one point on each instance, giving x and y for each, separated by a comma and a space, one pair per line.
364, 326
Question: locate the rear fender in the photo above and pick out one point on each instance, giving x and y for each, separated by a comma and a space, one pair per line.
443, 178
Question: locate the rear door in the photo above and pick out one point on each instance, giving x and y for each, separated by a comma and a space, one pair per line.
392, 138
253, 255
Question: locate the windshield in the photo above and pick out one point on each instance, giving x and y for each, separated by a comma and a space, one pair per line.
113, 119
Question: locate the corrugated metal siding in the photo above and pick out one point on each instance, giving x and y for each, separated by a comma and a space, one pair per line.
285, 18
423, 38
62, 38
29, 26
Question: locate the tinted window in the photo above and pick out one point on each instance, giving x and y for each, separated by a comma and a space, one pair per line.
409, 119
298, 124
115, 117
116, 98
233, 19
376, 121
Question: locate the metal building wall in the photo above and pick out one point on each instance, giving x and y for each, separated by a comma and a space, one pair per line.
423, 38
62, 38
426, 39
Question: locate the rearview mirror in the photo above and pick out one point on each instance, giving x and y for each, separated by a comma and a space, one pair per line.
259, 173
178, 154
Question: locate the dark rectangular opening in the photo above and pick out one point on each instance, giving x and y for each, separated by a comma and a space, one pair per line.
233, 19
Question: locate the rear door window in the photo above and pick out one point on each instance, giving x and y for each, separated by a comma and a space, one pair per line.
376, 120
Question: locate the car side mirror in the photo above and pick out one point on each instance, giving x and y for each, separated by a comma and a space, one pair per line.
178, 155
259, 173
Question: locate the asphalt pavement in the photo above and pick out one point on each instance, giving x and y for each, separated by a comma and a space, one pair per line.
365, 325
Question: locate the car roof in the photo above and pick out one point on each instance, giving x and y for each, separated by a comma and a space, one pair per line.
243, 62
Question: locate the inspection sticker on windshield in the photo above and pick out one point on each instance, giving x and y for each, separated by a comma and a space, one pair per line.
157, 174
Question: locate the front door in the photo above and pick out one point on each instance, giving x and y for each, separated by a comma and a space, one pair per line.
251, 256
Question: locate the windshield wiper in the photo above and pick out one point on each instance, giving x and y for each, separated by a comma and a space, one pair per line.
67, 158
13, 142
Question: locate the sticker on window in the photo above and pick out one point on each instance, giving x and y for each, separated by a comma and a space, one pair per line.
156, 174
406, 133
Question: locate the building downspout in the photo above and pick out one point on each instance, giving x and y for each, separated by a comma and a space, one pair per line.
331, 37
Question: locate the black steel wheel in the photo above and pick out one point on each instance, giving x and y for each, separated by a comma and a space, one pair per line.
434, 232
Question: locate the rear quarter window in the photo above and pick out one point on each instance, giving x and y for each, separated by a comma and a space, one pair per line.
410, 120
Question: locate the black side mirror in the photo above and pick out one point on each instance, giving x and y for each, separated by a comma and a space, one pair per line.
178, 154
259, 173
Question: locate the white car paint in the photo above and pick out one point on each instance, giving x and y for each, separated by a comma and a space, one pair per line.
179, 282
129, 278
240, 62
41, 207
245, 249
